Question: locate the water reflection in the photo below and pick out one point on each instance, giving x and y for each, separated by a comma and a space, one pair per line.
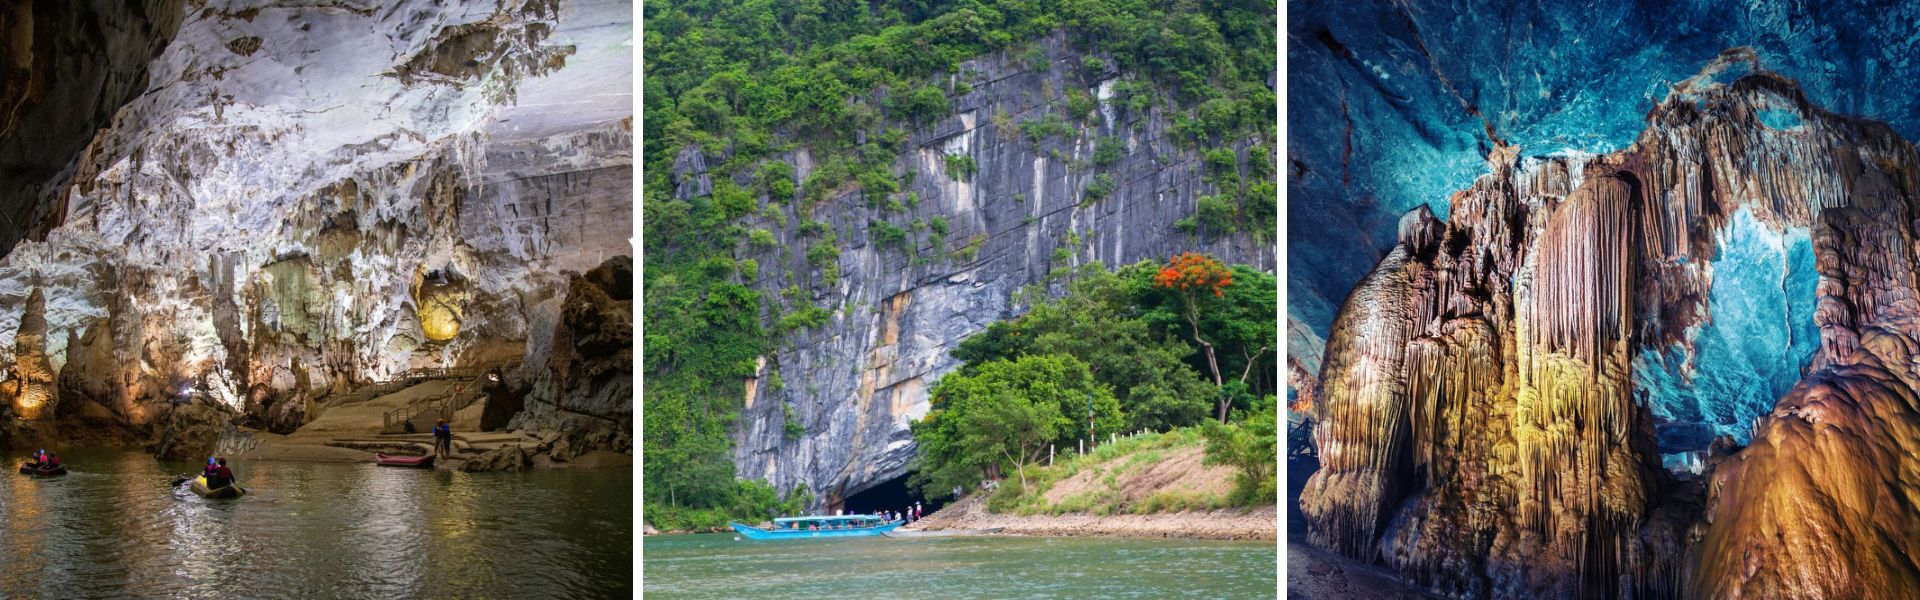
719, 566
114, 528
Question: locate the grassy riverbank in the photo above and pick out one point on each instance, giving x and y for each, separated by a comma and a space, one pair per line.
1153, 485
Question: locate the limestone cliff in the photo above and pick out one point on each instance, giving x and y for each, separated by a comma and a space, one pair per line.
854, 384
292, 200
1483, 418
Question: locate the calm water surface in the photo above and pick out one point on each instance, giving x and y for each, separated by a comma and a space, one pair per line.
717, 566
114, 528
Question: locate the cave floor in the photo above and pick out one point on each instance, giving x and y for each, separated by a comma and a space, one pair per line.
350, 432
1315, 574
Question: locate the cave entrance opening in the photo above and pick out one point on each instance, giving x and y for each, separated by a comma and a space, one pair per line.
892, 494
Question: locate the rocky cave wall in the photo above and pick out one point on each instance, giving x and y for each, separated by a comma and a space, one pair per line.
304, 198
856, 383
1478, 422
1395, 104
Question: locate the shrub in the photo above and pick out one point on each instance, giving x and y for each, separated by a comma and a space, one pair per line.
1003, 124
793, 428
1220, 161
777, 179
805, 318
1043, 127
1098, 189
966, 253
878, 183
823, 252
1035, 58
1093, 65
1108, 150
761, 238
961, 167
1079, 104
939, 226
1250, 447
1216, 213
733, 201
887, 235
923, 103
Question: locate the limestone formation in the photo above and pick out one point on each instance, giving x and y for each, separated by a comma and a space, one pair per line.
1478, 424
855, 383
31, 385
582, 386
264, 206
505, 458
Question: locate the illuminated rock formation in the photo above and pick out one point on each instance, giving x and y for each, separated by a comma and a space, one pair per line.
1483, 420
439, 301
30, 384
243, 204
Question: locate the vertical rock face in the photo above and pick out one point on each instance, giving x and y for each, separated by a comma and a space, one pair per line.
31, 384
855, 383
65, 68
291, 200
583, 386
1479, 421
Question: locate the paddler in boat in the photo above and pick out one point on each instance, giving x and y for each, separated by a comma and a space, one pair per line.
218, 475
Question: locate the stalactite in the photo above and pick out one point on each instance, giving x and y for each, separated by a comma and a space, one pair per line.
1478, 425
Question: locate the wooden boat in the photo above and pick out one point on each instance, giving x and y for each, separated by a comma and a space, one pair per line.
230, 491
31, 469
944, 533
389, 460
820, 527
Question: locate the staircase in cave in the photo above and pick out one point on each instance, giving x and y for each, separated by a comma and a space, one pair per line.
424, 413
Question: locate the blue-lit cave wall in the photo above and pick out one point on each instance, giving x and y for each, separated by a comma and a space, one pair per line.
1391, 105
1750, 353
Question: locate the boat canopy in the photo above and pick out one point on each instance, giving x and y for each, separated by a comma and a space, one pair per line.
839, 519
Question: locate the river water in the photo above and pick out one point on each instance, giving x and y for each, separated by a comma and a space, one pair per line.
115, 528
717, 565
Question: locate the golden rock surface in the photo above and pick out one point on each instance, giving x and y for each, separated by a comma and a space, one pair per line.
1475, 414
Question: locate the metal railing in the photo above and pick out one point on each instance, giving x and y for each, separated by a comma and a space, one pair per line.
395, 421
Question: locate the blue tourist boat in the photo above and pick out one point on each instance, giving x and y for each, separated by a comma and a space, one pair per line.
819, 527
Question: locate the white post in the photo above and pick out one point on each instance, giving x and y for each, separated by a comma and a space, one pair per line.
1112, 437
1049, 455
1083, 445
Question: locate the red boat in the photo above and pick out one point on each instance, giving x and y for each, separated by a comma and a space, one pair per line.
388, 460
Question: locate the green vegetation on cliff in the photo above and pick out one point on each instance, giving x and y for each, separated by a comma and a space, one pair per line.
746, 80
1118, 352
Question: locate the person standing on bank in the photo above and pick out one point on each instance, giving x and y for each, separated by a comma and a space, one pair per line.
442, 439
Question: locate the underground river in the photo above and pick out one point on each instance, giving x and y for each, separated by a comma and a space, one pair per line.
114, 527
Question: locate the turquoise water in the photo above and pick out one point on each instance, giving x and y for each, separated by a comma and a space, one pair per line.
115, 528
719, 566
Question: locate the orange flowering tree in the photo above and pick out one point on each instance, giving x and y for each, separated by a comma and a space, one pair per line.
1193, 277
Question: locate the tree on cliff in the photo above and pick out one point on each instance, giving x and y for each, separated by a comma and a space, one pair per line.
1003, 415
1199, 286
1098, 322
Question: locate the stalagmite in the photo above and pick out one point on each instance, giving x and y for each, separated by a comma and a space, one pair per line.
1477, 417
